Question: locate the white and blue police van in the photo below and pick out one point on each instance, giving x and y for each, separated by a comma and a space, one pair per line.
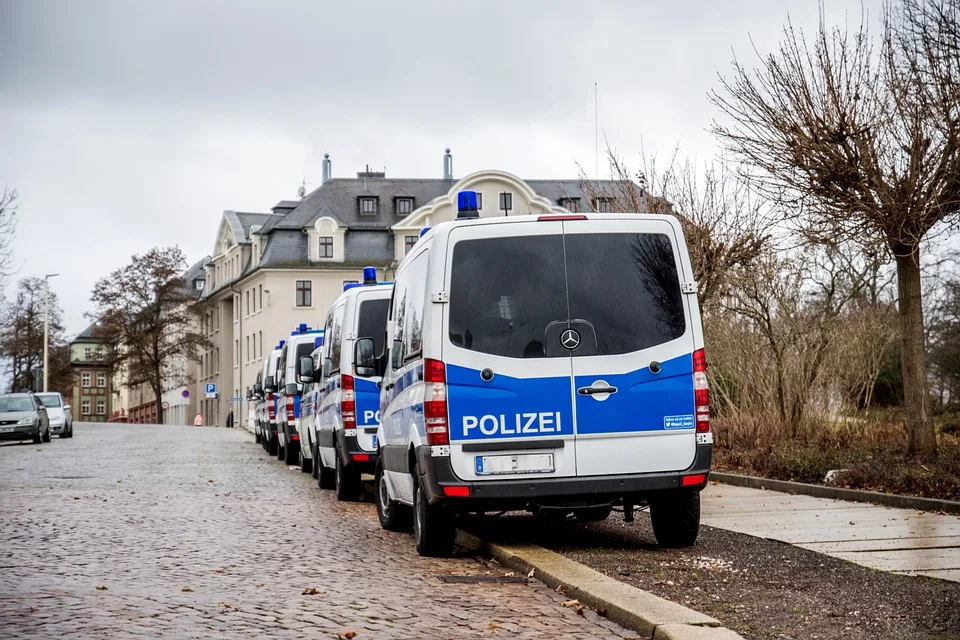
267, 404
547, 363
348, 414
302, 341
309, 404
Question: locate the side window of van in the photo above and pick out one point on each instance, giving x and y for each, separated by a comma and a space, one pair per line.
398, 308
327, 337
336, 333
413, 310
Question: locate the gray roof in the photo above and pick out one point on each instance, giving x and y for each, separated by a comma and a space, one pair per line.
194, 273
90, 334
240, 223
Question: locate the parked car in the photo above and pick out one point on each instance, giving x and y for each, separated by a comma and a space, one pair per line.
58, 411
302, 341
23, 417
344, 436
548, 363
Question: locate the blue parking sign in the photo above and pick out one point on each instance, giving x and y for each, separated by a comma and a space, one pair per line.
211, 387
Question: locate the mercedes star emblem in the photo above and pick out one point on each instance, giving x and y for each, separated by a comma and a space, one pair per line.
570, 339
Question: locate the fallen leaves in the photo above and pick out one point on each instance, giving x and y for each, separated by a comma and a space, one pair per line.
258, 585
310, 591
101, 588
575, 605
346, 635
218, 570
187, 590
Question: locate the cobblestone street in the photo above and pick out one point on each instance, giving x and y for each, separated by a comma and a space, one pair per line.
129, 531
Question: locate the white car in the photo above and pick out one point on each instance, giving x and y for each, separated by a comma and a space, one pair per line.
61, 422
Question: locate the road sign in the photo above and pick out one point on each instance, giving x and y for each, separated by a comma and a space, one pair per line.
185, 393
211, 390
235, 399
165, 405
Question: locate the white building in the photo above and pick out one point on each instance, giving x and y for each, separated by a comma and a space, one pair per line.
272, 272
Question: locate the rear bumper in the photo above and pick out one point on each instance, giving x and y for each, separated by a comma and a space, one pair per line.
497, 495
349, 448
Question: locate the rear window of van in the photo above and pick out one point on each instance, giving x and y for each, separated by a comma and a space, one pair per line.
372, 322
514, 296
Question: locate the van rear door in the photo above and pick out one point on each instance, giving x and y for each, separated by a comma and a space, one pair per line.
632, 342
509, 393
371, 319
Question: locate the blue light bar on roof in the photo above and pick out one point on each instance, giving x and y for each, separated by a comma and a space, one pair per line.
318, 342
467, 205
424, 231
282, 342
369, 275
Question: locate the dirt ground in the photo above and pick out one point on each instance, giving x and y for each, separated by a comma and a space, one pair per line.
760, 588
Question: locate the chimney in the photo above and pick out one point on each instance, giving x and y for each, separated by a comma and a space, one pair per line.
327, 170
447, 166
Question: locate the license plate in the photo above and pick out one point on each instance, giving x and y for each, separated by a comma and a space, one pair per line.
521, 463
6, 429
374, 442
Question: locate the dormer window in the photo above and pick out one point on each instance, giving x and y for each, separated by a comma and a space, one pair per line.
603, 205
198, 284
368, 206
404, 206
570, 204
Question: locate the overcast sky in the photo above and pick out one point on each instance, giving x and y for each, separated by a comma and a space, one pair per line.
129, 124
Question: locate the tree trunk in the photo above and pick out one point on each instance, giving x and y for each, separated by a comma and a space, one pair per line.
921, 437
158, 393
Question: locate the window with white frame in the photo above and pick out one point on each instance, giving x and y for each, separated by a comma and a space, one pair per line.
409, 242
85, 379
603, 205
101, 407
101, 380
326, 247
85, 407
304, 293
506, 201
368, 206
404, 206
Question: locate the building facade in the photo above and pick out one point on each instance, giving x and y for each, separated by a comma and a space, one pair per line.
94, 397
271, 272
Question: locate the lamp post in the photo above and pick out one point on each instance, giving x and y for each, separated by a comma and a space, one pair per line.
46, 326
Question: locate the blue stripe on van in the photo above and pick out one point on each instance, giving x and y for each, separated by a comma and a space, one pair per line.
507, 407
644, 401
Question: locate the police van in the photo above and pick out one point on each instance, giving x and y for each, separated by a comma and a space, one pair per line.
267, 404
302, 341
348, 414
309, 403
547, 363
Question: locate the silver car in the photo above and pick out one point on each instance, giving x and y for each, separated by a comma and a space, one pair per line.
23, 417
58, 411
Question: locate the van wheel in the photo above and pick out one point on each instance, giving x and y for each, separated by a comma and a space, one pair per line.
592, 514
315, 454
325, 477
393, 515
433, 530
291, 454
675, 517
306, 464
272, 445
257, 437
347, 482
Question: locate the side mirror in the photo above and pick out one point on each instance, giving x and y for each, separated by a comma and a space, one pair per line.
365, 362
67, 407
305, 373
327, 368
270, 385
249, 395
291, 389
258, 389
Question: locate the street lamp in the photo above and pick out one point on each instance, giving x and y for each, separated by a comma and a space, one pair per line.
46, 325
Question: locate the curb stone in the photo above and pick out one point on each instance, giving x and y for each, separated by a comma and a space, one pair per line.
624, 604
837, 493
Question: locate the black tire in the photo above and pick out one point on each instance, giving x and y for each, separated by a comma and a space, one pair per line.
62, 435
315, 454
326, 478
592, 514
70, 435
257, 437
433, 530
272, 446
46, 435
37, 439
675, 517
393, 515
346, 482
306, 464
291, 454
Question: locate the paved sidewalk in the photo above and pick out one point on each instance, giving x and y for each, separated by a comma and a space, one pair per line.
898, 540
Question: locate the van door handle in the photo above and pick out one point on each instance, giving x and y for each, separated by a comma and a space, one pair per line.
388, 387
589, 391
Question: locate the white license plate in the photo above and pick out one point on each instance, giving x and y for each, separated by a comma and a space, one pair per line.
520, 463
374, 442
6, 429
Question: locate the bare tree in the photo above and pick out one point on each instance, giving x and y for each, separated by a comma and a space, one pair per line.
149, 312
724, 226
21, 333
9, 204
858, 142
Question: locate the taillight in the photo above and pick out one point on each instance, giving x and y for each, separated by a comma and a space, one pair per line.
701, 391
291, 412
435, 402
561, 217
271, 407
348, 403
693, 481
